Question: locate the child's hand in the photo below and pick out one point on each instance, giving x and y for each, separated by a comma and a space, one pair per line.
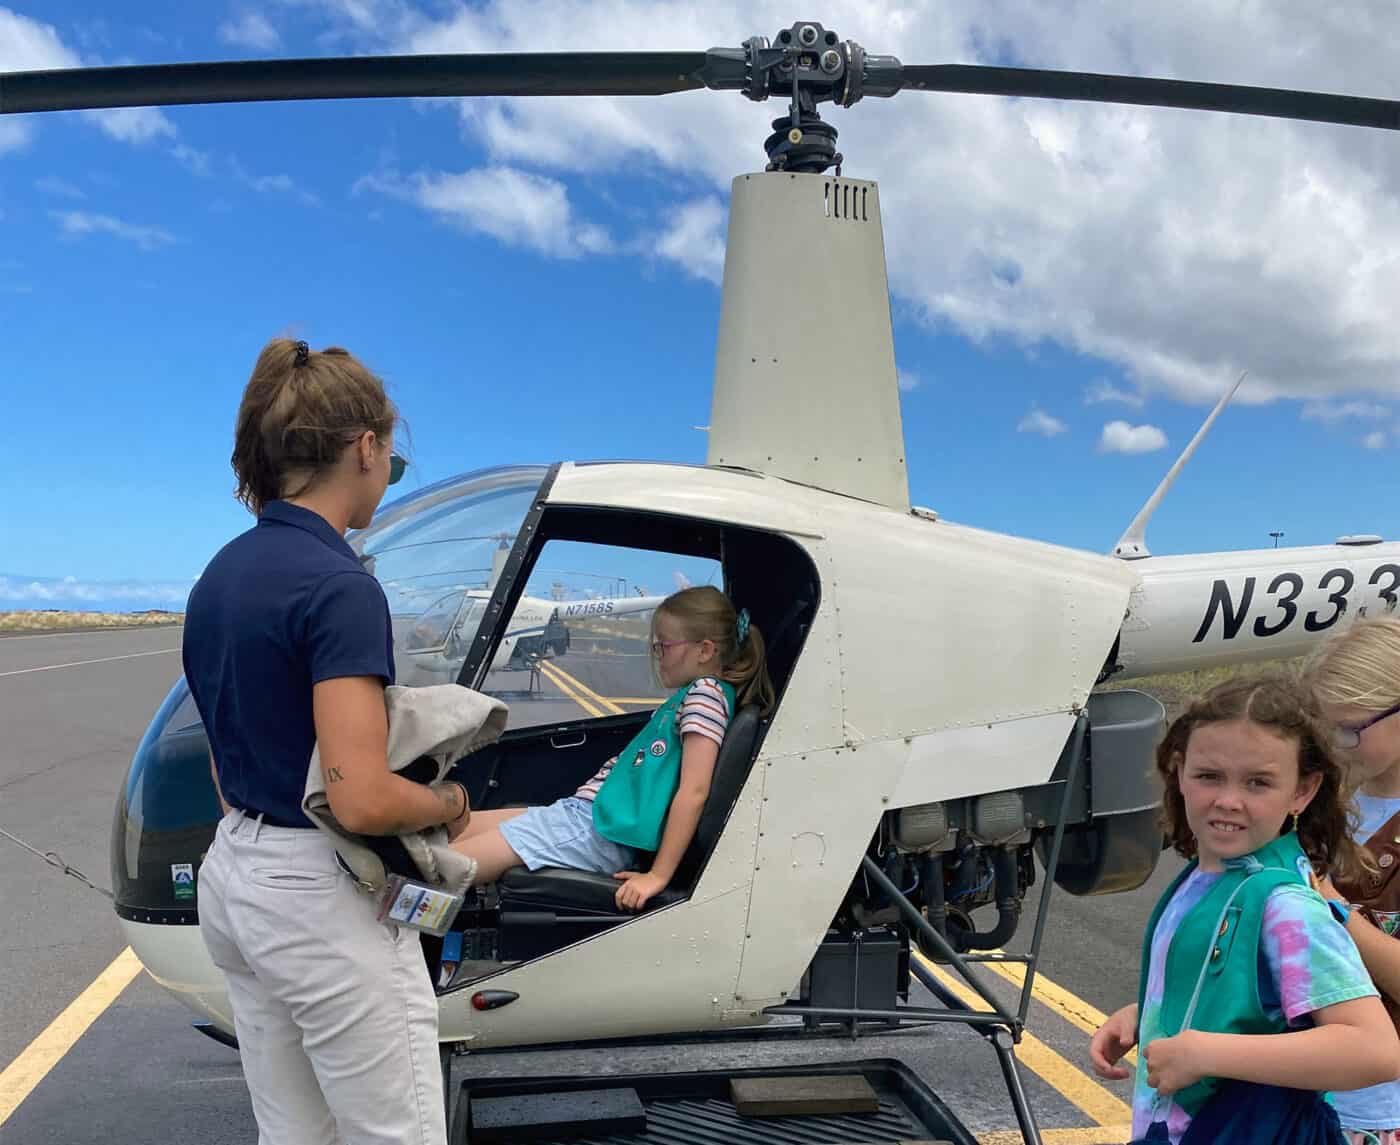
1111, 1041
637, 889
1174, 1063
1323, 885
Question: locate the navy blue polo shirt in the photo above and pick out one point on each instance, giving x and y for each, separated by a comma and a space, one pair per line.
279, 609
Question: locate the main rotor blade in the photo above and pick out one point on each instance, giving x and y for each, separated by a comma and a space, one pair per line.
1279, 102
358, 77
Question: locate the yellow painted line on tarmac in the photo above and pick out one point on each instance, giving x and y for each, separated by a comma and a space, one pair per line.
633, 699
582, 688
1096, 1135
1072, 1008
1049, 1065
553, 675
47, 1050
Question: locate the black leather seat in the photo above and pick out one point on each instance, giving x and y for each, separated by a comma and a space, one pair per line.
557, 888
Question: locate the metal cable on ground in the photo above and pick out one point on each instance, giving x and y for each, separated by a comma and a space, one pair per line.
54, 859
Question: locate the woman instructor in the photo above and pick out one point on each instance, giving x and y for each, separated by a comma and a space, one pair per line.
287, 644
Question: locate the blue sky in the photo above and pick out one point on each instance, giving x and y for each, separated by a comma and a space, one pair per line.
538, 283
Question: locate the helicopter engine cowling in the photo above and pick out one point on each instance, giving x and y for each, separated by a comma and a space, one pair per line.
956, 857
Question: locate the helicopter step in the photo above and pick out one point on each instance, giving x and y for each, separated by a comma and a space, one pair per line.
681, 1108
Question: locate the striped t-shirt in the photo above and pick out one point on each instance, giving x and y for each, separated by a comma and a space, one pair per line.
704, 711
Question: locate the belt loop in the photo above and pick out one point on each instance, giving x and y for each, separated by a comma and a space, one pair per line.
257, 826
236, 817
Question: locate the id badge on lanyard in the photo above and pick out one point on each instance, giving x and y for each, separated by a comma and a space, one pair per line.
417, 906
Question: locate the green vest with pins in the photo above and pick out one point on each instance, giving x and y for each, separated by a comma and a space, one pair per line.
632, 804
1212, 972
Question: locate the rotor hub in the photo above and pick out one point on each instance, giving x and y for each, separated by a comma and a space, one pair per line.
810, 64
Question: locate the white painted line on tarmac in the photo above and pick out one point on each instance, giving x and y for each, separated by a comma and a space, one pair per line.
80, 663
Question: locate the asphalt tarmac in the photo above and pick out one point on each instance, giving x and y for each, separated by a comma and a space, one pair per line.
73, 708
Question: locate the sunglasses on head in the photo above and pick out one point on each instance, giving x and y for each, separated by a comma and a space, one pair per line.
397, 465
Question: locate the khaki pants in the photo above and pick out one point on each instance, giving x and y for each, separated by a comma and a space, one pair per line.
335, 1012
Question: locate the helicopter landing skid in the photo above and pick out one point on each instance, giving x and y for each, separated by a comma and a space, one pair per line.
1001, 1027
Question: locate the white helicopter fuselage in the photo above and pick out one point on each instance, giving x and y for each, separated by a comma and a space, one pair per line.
941, 662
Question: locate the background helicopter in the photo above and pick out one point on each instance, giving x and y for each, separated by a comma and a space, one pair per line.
831, 496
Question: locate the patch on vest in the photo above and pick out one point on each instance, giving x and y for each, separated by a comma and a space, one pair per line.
658, 748
641, 755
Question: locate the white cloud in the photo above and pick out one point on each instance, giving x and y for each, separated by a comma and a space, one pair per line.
513, 206
195, 161
1101, 391
71, 590
1375, 439
1038, 421
133, 124
1182, 247
695, 239
908, 380
79, 223
28, 45
1332, 412
52, 185
14, 134
279, 184
1120, 437
250, 29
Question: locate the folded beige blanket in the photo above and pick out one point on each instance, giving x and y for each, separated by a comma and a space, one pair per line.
443, 722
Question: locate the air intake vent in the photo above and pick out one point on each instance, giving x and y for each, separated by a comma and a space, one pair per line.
846, 203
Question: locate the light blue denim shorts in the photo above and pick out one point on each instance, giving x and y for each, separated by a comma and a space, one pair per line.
562, 835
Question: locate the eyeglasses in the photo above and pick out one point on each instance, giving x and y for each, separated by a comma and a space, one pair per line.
397, 465
658, 647
1349, 735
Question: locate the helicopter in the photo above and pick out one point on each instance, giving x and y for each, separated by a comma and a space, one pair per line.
920, 762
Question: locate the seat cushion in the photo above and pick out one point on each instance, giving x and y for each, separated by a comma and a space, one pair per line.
558, 888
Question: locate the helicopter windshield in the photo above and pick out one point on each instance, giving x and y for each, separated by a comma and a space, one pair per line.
438, 552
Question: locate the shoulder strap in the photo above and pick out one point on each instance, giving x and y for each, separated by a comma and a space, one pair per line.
1265, 881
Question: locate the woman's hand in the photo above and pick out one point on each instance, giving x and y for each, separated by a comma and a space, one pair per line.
1173, 1064
637, 889
1111, 1041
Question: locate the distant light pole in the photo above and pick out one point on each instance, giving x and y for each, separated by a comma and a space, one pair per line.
1276, 536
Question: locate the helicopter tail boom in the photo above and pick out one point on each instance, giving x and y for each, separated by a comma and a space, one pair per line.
1207, 610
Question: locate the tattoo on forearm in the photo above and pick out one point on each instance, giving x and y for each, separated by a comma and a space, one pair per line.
333, 775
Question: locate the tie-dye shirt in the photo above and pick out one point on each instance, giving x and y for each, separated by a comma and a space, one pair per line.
1306, 961
1379, 1106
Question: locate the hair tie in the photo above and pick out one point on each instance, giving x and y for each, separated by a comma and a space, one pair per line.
303, 354
741, 627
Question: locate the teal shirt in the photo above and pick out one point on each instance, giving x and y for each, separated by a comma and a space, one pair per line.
632, 804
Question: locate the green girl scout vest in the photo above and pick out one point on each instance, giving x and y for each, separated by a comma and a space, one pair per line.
1212, 971
631, 806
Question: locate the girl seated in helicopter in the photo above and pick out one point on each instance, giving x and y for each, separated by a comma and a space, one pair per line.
648, 797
